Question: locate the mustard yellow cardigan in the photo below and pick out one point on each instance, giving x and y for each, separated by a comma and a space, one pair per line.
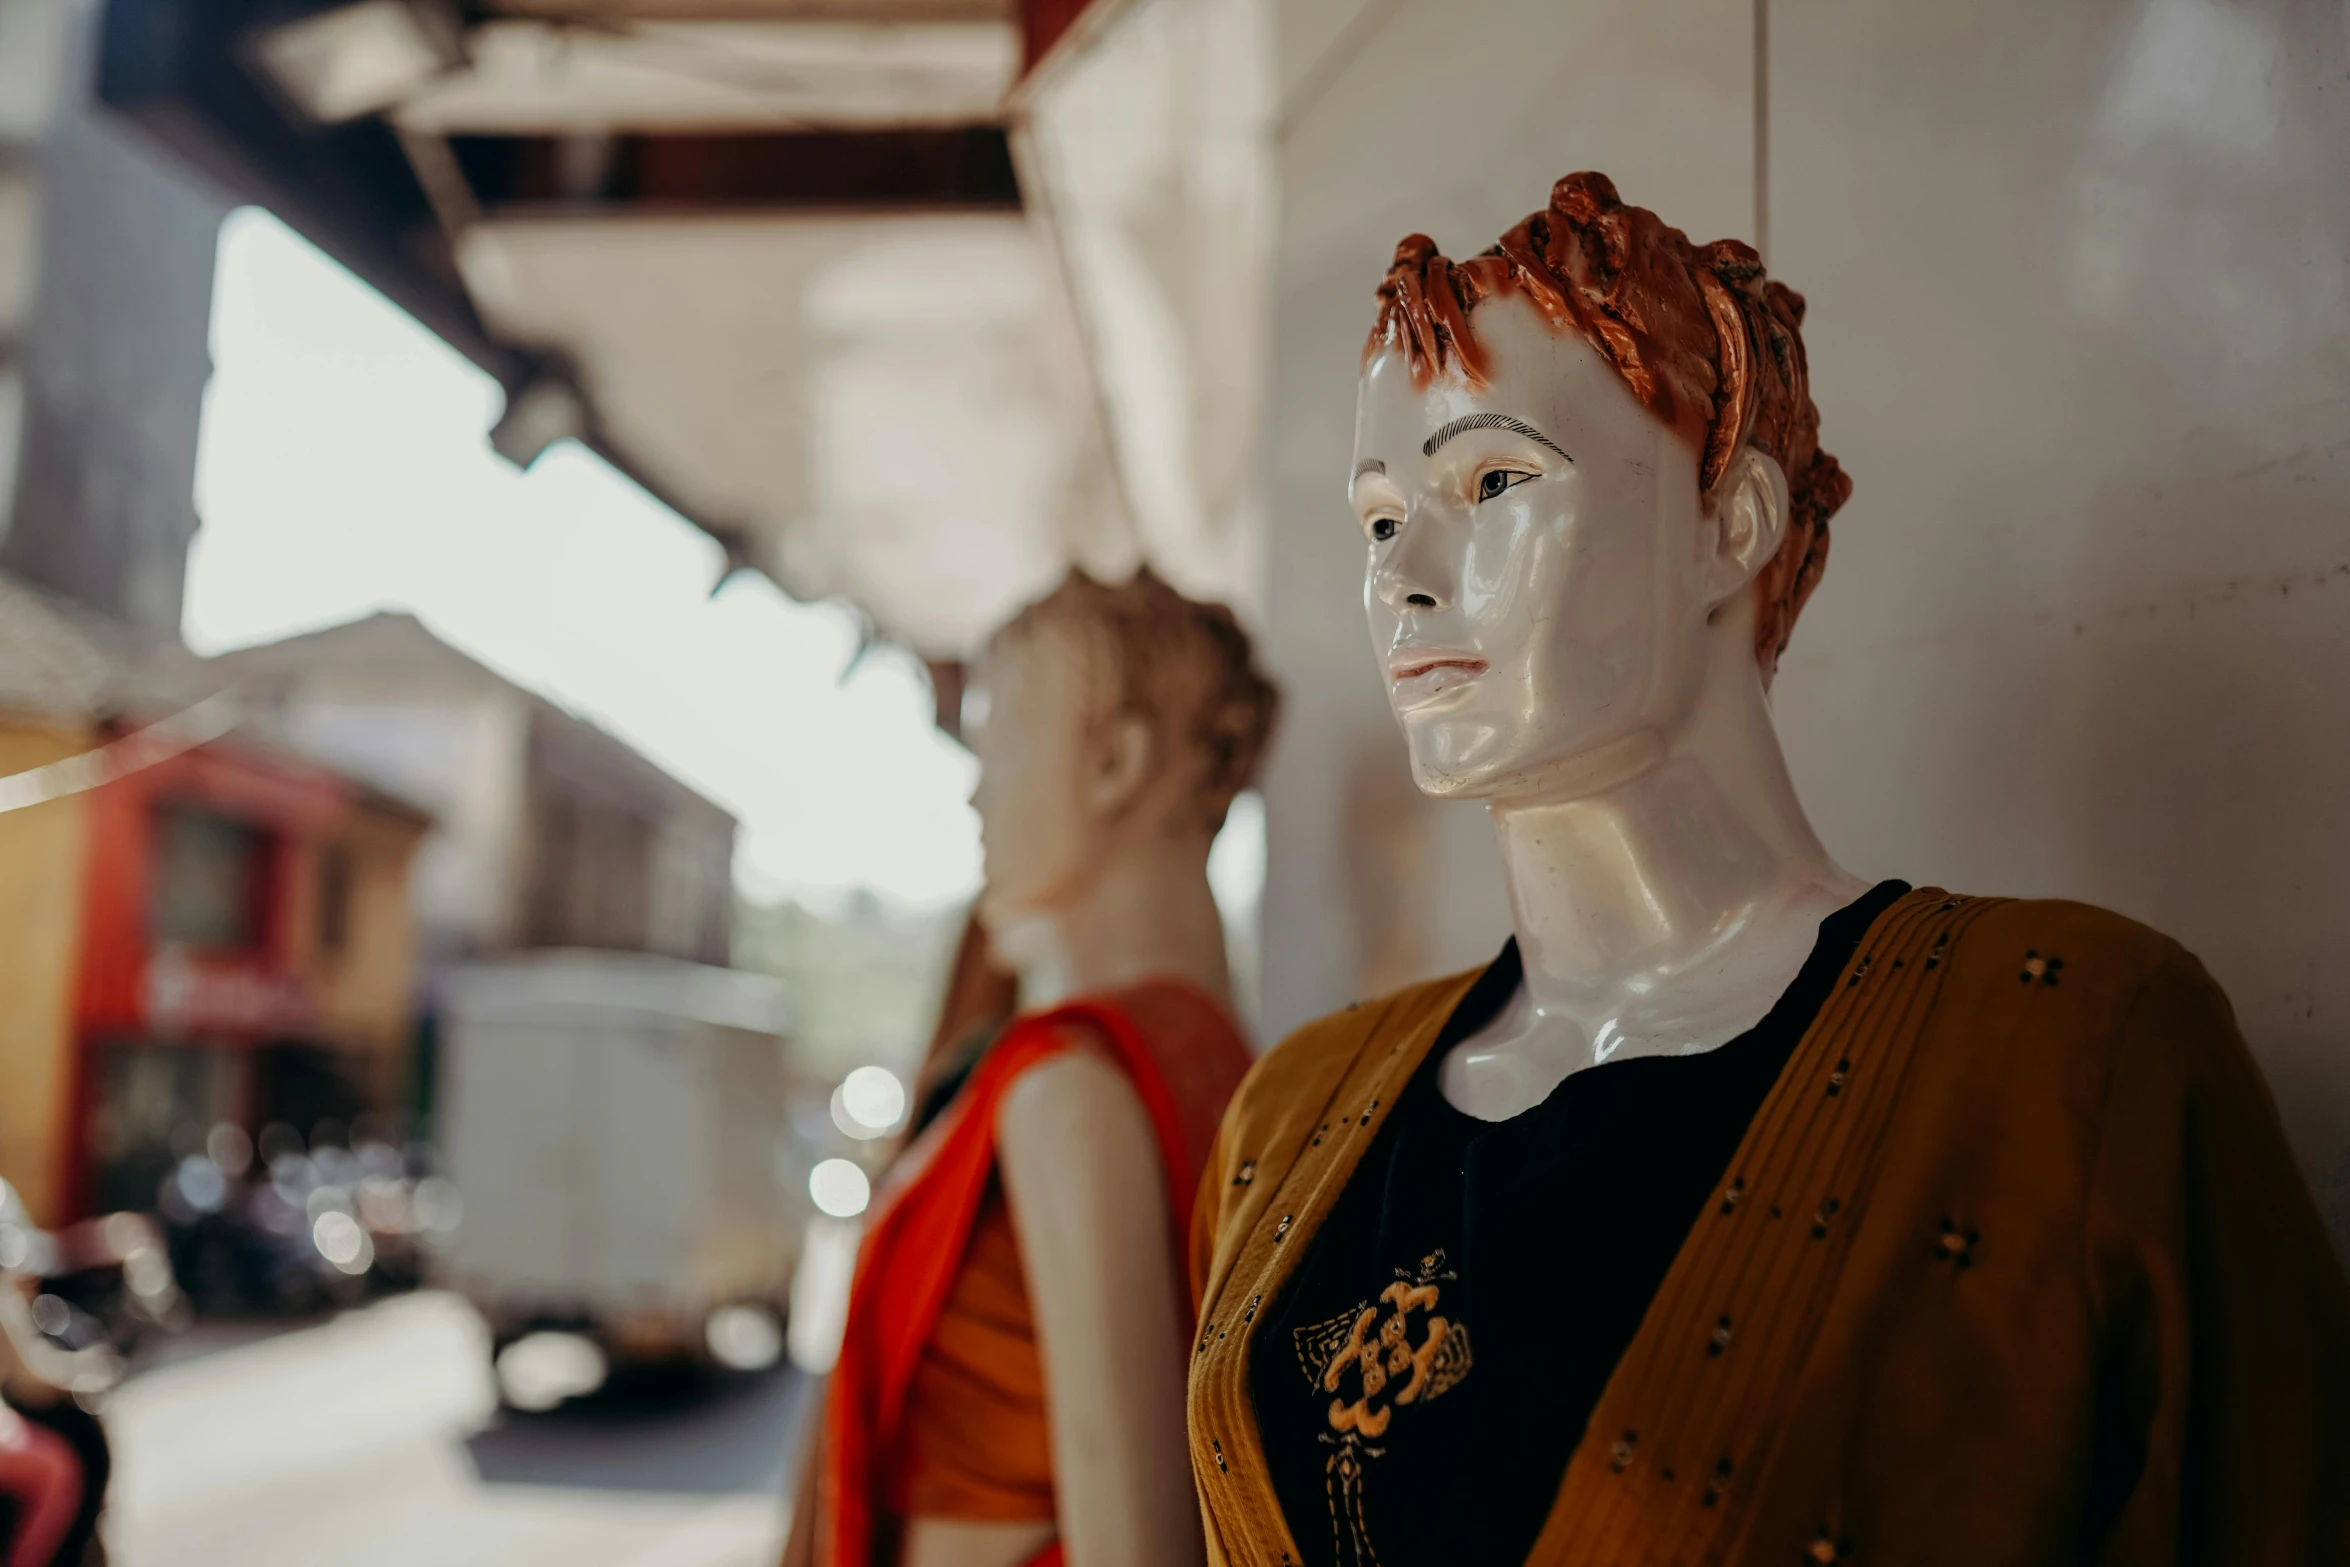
2012, 1267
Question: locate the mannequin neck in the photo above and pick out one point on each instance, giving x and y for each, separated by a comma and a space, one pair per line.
1147, 914
1644, 887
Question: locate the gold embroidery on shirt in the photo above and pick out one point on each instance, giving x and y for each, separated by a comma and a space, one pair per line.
1369, 1351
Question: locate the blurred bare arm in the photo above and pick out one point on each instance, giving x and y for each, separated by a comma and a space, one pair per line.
1089, 1204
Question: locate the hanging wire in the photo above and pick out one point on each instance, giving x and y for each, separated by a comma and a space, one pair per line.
160, 741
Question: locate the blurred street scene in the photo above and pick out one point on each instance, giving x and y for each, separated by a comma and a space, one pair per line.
374, 1438
500, 501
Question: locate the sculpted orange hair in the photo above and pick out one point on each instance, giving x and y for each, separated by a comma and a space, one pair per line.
1705, 341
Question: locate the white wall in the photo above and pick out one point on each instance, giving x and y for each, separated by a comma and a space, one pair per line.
1146, 157
457, 754
2080, 329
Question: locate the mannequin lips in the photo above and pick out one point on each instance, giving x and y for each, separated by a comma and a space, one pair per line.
1420, 675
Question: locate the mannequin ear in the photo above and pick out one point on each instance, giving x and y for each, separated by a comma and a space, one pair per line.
1749, 524
1124, 753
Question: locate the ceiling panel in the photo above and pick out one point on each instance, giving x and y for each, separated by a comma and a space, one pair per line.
530, 76
891, 409
766, 10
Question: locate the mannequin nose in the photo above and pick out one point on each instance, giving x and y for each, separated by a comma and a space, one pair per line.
1413, 576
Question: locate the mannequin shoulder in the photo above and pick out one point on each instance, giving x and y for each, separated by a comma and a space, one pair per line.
1077, 1113
2055, 943
1070, 1092
2069, 1038
2068, 992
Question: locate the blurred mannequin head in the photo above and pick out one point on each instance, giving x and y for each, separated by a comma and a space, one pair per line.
1588, 474
1112, 723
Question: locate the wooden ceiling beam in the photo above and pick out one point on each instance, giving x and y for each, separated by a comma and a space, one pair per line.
959, 167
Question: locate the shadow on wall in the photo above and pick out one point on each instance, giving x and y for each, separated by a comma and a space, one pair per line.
2185, 761
2205, 760
2081, 330
2202, 741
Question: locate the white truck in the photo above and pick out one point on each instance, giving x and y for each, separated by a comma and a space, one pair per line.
615, 1124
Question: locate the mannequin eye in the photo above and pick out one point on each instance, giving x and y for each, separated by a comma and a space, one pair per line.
1383, 528
1495, 480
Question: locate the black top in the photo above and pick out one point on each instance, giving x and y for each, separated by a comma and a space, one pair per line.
1423, 1379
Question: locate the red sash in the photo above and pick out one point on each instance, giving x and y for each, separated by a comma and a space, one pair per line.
914, 1245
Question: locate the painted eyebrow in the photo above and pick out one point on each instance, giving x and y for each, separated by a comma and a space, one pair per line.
1468, 422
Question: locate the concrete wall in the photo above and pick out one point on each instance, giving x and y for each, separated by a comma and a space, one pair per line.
2080, 329
2080, 284
617, 854
41, 870
366, 989
115, 251
457, 751
547, 831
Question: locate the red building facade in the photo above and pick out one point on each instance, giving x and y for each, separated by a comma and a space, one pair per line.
246, 954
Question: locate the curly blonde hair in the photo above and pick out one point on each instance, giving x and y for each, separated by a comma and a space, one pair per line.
1184, 667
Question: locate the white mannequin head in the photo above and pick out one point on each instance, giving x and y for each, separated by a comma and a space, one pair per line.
1568, 545
1556, 632
1113, 726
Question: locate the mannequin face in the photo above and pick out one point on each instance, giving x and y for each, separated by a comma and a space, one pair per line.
1057, 779
1546, 592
